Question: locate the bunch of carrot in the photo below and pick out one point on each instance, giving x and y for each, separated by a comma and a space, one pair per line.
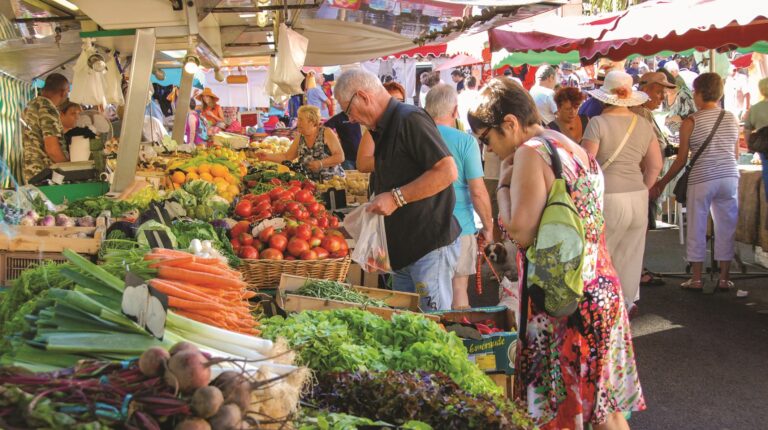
203, 289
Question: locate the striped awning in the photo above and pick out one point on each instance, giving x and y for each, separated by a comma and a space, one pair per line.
14, 96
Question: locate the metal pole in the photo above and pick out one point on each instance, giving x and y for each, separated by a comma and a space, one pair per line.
136, 102
182, 106
712, 60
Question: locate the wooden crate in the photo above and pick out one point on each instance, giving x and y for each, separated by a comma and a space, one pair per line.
50, 239
295, 303
13, 263
506, 382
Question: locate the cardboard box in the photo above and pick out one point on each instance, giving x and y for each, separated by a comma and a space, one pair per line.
409, 302
357, 276
506, 382
494, 352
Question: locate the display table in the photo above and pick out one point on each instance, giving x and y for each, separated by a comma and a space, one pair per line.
752, 228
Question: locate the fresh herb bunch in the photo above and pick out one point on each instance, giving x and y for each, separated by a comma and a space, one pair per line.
94, 206
323, 420
399, 397
336, 291
357, 340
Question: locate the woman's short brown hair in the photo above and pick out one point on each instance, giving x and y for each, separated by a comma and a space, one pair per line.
393, 86
709, 86
311, 113
503, 96
569, 94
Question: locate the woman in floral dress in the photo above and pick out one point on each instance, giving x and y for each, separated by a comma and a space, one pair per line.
580, 369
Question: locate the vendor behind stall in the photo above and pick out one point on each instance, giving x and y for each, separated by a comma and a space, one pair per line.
210, 109
70, 114
317, 147
43, 132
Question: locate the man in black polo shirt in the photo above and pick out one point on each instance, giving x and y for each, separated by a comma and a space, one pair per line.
349, 135
413, 175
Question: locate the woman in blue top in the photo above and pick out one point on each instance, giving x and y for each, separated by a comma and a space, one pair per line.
471, 194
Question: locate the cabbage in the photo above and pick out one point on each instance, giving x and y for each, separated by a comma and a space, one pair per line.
152, 225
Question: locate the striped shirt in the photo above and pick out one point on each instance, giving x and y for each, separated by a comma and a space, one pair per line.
719, 158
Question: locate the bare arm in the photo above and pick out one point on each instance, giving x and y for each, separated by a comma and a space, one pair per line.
591, 146
528, 196
365, 161
686, 128
651, 163
481, 201
53, 149
290, 154
439, 177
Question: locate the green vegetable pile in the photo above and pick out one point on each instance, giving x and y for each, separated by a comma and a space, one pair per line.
186, 231
399, 397
356, 340
336, 291
321, 420
94, 206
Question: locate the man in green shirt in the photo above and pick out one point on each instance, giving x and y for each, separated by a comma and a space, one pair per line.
43, 132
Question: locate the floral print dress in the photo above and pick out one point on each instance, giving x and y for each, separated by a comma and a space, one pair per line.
580, 369
318, 151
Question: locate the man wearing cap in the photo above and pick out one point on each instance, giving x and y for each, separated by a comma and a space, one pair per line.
655, 85
570, 79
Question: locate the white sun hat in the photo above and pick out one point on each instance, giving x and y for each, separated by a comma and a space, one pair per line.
617, 90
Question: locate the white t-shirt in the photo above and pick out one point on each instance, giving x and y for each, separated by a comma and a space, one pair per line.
467, 100
545, 101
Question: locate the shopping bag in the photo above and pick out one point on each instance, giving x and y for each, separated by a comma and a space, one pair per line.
371, 246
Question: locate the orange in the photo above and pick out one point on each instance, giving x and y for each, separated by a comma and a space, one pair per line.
233, 189
206, 177
191, 176
230, 179
219, 171
204, 168
222, 187
192, 169
178, 177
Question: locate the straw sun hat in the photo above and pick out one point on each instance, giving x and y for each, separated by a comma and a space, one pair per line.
207, 92
617, 90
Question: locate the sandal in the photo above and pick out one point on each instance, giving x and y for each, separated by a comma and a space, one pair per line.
651, 279
692, 285
723, 285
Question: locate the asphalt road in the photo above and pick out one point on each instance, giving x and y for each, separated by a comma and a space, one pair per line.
703, 359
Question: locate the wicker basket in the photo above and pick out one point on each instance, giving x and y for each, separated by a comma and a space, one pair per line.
266, 273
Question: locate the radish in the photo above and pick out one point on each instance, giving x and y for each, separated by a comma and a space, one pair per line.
228, 418
188, 370
207, 401
152, 362
193, 424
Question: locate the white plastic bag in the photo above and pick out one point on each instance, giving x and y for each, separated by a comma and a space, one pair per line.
371, 251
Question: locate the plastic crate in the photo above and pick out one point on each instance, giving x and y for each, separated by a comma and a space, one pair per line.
72, 192
13, 263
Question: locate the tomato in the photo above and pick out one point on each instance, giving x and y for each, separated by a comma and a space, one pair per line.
311, 220
294, 189
244, 209
271, 254
295, 183
248, 253
240, 227
340, 254
290, 257
259, 245
263, 215
332, 243
278, 241
246, 239
333, 222
297, 246
276, 181
334, 233
318, 232
304, 196
235, 244
322, 253
262, 198
315, 241
262, 206
304, 231
314, 208
322, 222
250, 197
308, 255
275, 193
265, 234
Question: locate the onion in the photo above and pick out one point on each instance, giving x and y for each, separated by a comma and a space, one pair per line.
28, 221
64, 221
86, 221
34, 215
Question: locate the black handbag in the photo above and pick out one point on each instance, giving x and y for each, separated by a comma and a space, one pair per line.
758, 141
681, 188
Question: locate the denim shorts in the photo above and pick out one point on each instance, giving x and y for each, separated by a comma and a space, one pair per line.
430, 277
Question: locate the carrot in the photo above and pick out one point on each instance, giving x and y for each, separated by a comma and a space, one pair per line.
197, 267
197, 317
171, 290
249, 294
170, 252
178, 274
176, 302
173, 262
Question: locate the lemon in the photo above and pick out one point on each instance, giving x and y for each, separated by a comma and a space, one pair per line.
206, 177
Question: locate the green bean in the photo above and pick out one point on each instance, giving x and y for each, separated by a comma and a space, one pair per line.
337, 291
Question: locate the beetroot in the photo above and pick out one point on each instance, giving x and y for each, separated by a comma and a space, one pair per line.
235, 388
152, 362
207, 401
188, 370
183, 346
228, 418
193, 424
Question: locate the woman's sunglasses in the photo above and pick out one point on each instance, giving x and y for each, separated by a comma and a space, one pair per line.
483, 137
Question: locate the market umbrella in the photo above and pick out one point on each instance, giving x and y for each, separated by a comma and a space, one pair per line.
679, 25
458, 61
